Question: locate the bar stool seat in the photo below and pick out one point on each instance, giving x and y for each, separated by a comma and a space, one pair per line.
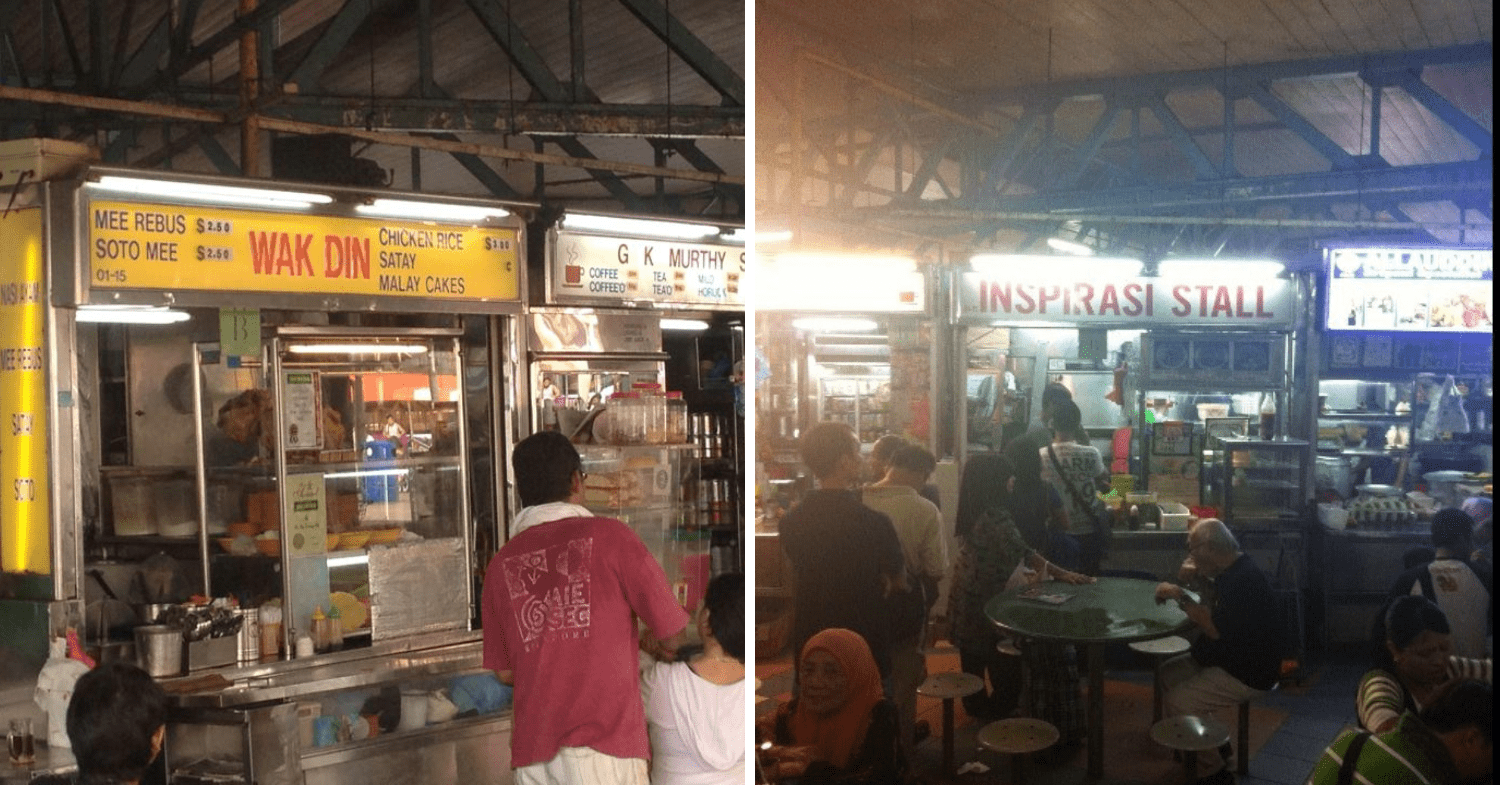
948, 686
1190, 735
1018, 737
1160, 650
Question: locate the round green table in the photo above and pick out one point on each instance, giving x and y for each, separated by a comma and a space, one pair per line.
1113, 610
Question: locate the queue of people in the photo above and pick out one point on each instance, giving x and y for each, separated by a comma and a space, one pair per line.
859, 554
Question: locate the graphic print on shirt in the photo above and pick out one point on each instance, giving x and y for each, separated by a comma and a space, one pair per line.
549, 591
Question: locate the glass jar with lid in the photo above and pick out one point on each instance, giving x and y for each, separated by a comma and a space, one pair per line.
677, 418
626, 424
653, 411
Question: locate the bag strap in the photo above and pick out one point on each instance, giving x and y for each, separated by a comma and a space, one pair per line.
1078, 498
1351, 756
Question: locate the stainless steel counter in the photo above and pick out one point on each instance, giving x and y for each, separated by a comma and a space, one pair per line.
380, 663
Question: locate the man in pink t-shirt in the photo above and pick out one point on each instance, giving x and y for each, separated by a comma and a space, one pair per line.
559, 610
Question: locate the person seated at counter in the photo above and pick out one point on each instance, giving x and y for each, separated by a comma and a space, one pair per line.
1413, 660
117, 722
1459, 588
992, 553
695, 707
559, 609
839, 728
1237, 654
1451, 741
1482, 510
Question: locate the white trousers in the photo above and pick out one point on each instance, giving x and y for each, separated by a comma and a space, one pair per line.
1193, 689
575, 765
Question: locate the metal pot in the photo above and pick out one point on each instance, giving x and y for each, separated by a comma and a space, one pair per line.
159, 649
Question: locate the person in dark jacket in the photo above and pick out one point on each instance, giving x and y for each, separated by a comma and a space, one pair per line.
846, 559
1237, 654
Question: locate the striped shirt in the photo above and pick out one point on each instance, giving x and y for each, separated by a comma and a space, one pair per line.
1382, 698
1409, 755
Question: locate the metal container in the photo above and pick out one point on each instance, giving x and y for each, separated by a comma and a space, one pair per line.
159, 649
249, 634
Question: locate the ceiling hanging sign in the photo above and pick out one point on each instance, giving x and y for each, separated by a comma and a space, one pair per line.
601, 270
166, 247
1446, 290
987, 299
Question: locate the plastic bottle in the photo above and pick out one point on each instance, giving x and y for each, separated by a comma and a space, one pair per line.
1268, 416
319, 630
334, 635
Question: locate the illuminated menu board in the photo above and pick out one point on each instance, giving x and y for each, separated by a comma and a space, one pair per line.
132, 245
1447, 290
600, 270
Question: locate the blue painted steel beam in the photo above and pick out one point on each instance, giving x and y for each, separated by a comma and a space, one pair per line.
228, 34
611, 182
141, 65
860, 171
1090, 146
1296, 123
1168, 119
1216, 78
932, 156
503, 30
335, 36
688, 47
1432, 101
218, 156
1426, 182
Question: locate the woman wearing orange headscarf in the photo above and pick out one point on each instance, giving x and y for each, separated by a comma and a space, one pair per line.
840, 728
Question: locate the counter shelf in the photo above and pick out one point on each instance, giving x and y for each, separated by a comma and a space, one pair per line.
250, 730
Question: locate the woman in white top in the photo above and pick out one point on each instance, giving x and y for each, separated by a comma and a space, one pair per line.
1075, 471
695, 707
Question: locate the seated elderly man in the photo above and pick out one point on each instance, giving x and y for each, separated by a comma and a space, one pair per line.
1237, 655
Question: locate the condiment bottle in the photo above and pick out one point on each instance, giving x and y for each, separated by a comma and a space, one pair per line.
335, 632
319, 630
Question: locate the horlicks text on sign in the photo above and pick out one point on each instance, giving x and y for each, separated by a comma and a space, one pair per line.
195, 248
613, 269
987, 298
1412, 263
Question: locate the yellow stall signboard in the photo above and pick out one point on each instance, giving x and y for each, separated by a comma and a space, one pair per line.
24, 490
169, 247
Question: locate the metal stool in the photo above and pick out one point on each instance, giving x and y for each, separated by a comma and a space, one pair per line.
1159, 650
1242, 748
1018, 737
1190, 736
1010, 647
948, 686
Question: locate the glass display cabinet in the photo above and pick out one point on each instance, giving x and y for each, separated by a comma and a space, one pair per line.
862, 402
333, 463
1257, 481
654, 489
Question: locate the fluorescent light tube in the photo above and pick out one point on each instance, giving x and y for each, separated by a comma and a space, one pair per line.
736, 236
1032, 267
1232, 269
834, 324
684, 324
130, 314
1069, 247
206, 192
348, 561
673, 230
771, 238
356, 348
845, 263
433, 211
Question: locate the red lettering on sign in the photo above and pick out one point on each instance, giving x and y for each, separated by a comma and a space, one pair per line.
1046, 294
1239, 303
999, 297
1086, 298
1260, 304
1109, 300
1183, 308
1221, 302
346, 257
1026, 303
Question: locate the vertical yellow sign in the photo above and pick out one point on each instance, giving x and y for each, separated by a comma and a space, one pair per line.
24, 506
